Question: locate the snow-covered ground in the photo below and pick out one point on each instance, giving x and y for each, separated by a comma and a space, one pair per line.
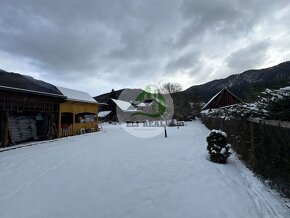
113, 174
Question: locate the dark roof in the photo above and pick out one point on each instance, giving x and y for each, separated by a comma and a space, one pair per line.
148, 100
222, 99
23, 83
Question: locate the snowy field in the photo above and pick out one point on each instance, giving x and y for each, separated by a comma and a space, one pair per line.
111, 174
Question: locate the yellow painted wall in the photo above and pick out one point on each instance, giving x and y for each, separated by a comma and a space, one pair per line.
76, 108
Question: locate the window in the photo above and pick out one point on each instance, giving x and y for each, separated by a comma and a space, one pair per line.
66, 118
85, 118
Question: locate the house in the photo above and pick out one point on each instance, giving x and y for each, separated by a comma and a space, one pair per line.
103, 116
29, 109
78, 114
222, 99
148, 109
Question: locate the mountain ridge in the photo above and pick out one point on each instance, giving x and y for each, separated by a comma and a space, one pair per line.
245, 85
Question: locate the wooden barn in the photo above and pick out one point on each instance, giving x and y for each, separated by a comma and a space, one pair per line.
222, 99
78, 114
29, 109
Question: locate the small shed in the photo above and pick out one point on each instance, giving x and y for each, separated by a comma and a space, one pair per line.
28, 109
78, 114
222, 99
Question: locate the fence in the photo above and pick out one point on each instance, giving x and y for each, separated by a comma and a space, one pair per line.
263, 145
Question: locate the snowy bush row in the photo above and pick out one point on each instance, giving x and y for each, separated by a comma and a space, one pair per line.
272, 104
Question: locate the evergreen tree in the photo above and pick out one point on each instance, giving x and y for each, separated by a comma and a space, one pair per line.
112, 106
276, 103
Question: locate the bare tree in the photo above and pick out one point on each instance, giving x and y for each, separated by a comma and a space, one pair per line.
171, 87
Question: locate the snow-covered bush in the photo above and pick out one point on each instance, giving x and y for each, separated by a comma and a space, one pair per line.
244, 110
276, 103
272, 105
217, 146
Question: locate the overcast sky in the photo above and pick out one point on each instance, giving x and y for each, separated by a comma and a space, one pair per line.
97, 45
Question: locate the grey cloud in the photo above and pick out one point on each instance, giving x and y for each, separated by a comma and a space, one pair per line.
207, 15
118, 41
248, 57
78, 36
184, 62
222, 18
133, 46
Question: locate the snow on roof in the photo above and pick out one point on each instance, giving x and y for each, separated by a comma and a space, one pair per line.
23, 83
75, 95
211, 100
103, 113
133, 110
220, 93
285, 88
123, 105
142, 104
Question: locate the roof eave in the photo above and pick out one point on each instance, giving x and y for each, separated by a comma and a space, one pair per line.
31, 91
80, 101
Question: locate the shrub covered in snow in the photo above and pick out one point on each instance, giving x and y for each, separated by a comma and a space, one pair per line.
272, 105
276, 103
238, 110
217, 146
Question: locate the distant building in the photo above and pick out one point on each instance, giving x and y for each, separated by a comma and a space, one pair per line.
127, 109
78, 114
149, 105
222, 99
